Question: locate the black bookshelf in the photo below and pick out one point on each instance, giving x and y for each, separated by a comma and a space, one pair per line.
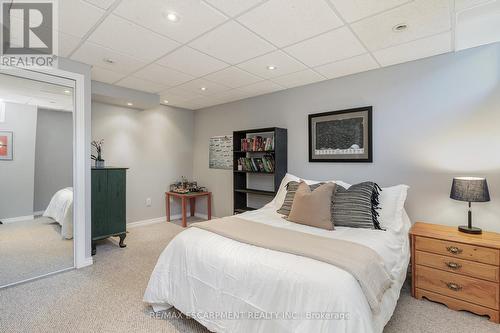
240, 177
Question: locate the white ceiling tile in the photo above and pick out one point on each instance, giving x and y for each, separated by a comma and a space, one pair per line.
104, 4
298, 79
421, 48
232, 43
67, 44
163, 75
353, 10
259, 88
180, 93
233, 7
283, 22
284, 64
331, 46
196, 85
349, 66
423, 17
93, 54
195, 17
192, 62
478, 26
467, 4
172, 98
77, 17
137, 41
140, 84
105, 75
233, 77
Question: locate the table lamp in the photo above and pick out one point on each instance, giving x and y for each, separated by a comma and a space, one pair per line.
470, 189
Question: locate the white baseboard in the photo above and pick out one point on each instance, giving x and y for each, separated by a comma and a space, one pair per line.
17, 219
162, 219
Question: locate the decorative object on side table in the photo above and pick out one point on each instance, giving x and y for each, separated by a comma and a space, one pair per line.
470, 189
6, 146
456, 269
341, 136
184, 186
97, 146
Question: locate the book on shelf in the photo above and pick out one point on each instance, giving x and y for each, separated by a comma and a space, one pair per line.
257, 143
256, 164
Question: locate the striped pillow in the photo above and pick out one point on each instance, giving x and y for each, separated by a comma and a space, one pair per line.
291, 188
357, 206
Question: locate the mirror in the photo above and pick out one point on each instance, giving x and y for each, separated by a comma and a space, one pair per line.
36, 179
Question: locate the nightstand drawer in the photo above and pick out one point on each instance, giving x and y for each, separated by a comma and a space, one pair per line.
459, 266
458, 286
458, 250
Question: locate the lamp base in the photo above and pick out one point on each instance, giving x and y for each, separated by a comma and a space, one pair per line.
471, 230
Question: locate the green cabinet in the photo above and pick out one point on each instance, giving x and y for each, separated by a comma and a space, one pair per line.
108, 204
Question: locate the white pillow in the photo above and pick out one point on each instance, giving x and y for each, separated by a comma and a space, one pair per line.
392, 201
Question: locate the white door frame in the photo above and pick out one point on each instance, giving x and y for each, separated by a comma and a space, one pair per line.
81, 158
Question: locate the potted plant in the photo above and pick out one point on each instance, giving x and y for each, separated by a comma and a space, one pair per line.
97, 146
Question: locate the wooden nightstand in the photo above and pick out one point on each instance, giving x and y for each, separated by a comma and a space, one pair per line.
459, 270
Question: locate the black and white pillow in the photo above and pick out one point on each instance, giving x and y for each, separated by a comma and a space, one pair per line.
357, 206
291, 188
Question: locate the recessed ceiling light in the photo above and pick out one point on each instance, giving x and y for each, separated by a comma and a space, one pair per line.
400, 27
130, 104
203, 88
67, 91
172, 17
165, 101
108, 61
271, 67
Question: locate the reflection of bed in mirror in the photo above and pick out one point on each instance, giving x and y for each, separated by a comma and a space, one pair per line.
60, 209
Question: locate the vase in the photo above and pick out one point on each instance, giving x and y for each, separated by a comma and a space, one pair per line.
99, 163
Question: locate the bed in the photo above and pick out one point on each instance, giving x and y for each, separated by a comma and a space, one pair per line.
60, 209
229, 286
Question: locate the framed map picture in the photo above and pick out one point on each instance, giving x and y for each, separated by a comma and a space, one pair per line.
220, 155
341, 136
6, 146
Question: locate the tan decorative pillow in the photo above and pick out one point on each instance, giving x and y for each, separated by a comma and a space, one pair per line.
313, 208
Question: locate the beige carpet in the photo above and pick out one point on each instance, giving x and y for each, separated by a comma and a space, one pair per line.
107, 297
32, 248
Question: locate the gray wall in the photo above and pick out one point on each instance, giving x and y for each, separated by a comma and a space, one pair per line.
157, 146
53, 155
16, 176
433, 119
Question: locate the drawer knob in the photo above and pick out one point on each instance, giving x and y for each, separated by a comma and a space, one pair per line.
453, 286
454, 249
453, 265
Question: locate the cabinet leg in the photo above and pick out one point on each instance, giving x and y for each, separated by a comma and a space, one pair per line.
122, 238
93, 248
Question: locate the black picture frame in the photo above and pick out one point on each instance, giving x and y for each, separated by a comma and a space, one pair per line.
366, 157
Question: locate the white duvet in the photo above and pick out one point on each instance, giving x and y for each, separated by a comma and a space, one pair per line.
230, 286
60, 209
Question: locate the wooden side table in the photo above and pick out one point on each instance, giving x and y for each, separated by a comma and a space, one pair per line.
458, 269
192, 203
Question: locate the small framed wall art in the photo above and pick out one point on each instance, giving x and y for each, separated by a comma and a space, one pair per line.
341, 136
6, 146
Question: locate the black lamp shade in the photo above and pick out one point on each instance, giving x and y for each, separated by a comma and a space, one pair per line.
470, 189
